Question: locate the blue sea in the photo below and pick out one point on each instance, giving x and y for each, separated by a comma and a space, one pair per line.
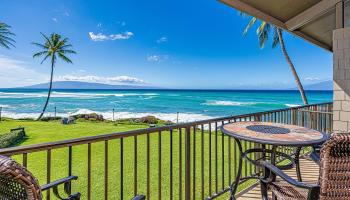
190, 105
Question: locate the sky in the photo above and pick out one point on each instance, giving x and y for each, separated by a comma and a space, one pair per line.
184, 44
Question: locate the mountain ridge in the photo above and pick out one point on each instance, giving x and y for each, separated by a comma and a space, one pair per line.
83, 85
324, 85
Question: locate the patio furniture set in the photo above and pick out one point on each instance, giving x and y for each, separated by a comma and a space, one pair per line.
334, 160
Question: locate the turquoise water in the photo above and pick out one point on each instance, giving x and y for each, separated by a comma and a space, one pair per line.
191, 104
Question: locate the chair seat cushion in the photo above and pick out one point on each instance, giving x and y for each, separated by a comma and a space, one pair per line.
285, 191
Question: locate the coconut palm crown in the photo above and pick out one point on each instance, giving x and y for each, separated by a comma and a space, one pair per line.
264, 32
54, 47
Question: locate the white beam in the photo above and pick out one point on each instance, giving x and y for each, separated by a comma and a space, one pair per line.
311, 14
246, 8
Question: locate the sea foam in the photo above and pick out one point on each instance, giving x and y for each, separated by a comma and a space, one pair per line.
183, 117
292, 105
227, 103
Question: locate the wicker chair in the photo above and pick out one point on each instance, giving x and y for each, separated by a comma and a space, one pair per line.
17, 183
334, 180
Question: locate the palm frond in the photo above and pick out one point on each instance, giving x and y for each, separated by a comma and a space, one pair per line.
5, 33
66, 46
3, 37
55, 38
47, 55
276, 39
46, 38
66, 51
263, 27
250, 24
243, 14
40, 54
4, 44
40, 45
64, 58
263, 34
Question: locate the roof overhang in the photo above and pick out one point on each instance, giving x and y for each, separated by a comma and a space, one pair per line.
312, 20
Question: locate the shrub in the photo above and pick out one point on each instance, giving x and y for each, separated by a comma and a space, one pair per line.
12, 138
168, 122
149, 120
92, 117
46, 119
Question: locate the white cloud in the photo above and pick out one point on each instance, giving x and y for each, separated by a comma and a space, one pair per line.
312, 79
162, 39
102, 37
15, 73
101, 79
54, 19
99, 25
157, 58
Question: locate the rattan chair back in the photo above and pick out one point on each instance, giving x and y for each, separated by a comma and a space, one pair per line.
16, 183
335, 168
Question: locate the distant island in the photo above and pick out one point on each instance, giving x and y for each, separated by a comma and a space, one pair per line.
324, 85
84, 85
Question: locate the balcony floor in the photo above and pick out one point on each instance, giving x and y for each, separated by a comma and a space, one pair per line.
309, 171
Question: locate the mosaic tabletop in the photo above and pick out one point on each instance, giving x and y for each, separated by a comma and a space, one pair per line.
274, 133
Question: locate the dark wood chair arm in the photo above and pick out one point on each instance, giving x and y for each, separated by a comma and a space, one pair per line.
139, 197
288, 179
58, 182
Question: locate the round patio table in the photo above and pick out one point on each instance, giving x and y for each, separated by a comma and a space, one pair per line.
268, 133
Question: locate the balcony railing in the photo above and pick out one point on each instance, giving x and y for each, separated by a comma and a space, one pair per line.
182, 161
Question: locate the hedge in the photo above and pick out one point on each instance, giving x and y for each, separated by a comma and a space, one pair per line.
12, 138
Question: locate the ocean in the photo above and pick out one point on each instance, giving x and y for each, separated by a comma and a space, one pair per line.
191, 105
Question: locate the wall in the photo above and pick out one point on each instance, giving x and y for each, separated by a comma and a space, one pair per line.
341, 78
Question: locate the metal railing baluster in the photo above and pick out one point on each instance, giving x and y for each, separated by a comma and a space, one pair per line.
106, 171
121, 168
148, 167
89, 172
159, 165
171, 164
48, 174
202, 161
135, 165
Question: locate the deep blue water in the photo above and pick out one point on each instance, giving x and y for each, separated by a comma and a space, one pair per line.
191, 104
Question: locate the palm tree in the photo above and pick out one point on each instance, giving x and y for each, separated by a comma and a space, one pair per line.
52, 48
263, 31
5, 36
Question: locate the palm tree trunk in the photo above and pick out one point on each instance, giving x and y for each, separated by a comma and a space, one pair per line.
292, 68
49, 93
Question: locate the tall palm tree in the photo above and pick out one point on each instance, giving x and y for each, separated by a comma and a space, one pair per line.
53, 47
263, 31
5, 36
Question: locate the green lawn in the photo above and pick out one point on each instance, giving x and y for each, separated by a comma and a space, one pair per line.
39, 132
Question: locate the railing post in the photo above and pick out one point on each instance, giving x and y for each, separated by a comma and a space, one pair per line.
188, 164
257, 155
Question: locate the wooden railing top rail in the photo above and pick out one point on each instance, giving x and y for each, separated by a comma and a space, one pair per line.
315, 111
116, 135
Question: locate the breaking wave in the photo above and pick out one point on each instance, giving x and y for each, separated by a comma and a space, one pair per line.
183, 117
228, 103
